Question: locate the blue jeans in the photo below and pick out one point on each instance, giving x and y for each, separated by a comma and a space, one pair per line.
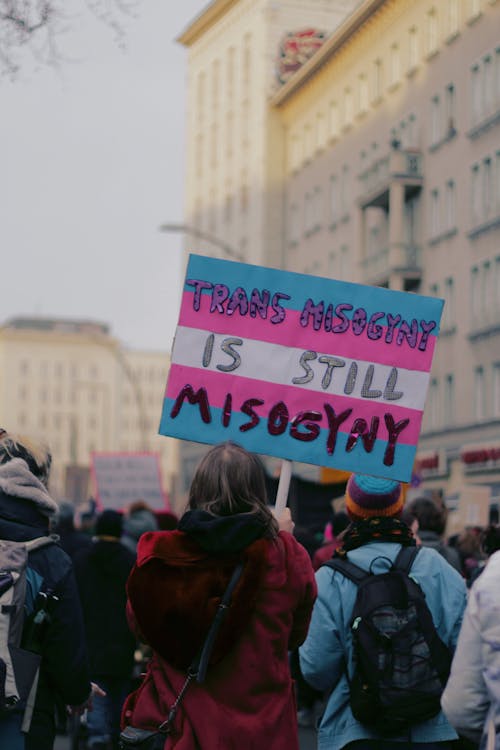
103, 722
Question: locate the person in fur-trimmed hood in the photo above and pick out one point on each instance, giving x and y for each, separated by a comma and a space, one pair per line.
26, 510
247, 700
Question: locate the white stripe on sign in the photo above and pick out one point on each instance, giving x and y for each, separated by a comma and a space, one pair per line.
284, 365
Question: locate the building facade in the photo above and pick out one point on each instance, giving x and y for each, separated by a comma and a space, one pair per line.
71, 384
392, 178
377, 161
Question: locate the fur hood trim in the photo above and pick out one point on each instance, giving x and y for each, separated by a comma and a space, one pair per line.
17, 481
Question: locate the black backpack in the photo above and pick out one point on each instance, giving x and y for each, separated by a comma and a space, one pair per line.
400, 663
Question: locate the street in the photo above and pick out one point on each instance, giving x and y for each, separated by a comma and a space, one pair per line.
307, 739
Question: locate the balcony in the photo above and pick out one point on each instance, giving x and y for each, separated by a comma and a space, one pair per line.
378, 266
400, 166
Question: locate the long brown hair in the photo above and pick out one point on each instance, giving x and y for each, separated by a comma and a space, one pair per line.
230, 480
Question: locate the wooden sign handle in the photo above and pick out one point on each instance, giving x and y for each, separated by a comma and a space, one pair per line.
283, 487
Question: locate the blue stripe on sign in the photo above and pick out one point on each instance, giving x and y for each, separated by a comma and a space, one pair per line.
301, 286
189, 426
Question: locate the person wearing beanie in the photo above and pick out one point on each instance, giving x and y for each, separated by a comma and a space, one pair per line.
101, 573
372, 541
26, 513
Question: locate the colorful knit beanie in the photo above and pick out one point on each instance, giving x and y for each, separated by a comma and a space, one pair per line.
367, 497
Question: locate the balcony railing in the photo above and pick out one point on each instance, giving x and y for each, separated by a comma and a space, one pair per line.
404, 166
378, 265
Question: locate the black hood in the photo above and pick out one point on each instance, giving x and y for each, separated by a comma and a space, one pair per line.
222, 533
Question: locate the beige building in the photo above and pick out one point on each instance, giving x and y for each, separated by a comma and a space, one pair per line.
70, 383
392, 177
234, 159
377, 161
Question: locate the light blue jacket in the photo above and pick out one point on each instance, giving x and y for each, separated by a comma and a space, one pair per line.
328, 646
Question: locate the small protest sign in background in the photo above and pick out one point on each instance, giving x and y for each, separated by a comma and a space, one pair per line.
301, 367
124, 478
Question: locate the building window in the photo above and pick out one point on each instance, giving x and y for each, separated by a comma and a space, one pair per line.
433, 401
449, 303
475, 301
334, 198
317, 208
309, 145
496, 183
345, 190
449, 400
479, 394
473, 8
307, 214
331, 265
487, 189
378, 79
348, 108
432, 32
450, 113
412, 48
344, 269
363, 94
294, 224
436, 128
215, 84
435, 213
476, 198
231, 56
450, 205
476, 93
24, 367
453, 17
395, 65
496, 288
321, 134
486, 291
496, 389
334, 124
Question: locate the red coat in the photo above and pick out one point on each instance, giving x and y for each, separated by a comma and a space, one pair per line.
247, 701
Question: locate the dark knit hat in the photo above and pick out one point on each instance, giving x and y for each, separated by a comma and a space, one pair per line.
109, 523
367, 497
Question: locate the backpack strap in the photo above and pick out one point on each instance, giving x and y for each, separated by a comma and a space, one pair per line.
348, 569
41, 541
406, 558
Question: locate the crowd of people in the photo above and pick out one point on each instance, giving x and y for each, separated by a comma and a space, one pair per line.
242, 633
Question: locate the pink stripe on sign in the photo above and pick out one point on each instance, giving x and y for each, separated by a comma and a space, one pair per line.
296, 399
291, 333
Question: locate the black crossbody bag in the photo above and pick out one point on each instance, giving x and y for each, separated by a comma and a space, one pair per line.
147, 739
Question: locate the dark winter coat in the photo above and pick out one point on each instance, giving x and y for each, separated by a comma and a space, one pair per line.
101, 573
247, 700
25, 508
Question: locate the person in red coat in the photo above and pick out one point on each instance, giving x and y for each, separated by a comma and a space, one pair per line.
247, 700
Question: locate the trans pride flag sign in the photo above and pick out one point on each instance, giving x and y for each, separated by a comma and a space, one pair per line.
300, 367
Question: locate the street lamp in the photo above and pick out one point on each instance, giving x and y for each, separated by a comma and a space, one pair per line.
195, 232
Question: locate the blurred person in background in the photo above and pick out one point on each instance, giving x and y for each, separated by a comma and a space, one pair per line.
339, 522
101, 571
26, 513
431, 526
70, 539
138, 519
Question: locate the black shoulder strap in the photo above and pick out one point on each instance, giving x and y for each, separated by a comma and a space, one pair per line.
348, 569
201, 666
405, 558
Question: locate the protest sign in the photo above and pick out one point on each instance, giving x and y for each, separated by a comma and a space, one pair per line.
124, 478
301, 367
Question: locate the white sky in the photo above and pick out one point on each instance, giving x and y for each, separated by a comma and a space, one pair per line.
91, 163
